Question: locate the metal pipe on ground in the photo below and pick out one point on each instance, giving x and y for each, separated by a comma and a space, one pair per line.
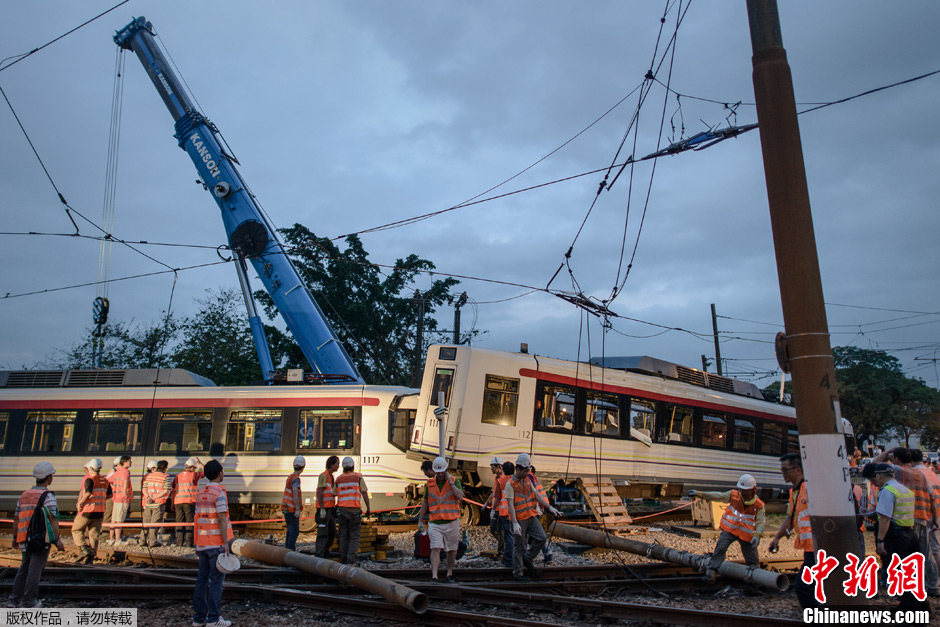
758, 576
415, 601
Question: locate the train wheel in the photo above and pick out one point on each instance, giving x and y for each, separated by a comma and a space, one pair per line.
308, 522
470, 514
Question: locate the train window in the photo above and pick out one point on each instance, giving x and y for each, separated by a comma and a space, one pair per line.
443, 382
643, 416
745, 435
184, 431
254, 430
4, 420
115, 431
793, 440
554, 408
500, 401
714, 430
771, 439
603, 414
325, 429
49, 431
401, 422
679, 421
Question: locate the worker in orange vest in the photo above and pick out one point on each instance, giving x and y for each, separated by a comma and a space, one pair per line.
351, 491
502, 511
184, 499
292, 503
26, 583
326, 507
492, 504
213, 532
442, 499
523, 497
156, 492
93, 493
791, 467
123, 492
933, 532
742, 522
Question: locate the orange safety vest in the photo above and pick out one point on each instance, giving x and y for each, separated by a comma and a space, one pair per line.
287, 500
933, 482
121, 486
154, 484
99, 494
27, 504
916, 482
538, 485
206, 519
442, 505
804, 531
185, 487
740, 520
859, 505
329, 498
501, 494
524, 499
347, 490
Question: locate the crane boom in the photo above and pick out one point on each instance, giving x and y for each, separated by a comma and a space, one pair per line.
249, 233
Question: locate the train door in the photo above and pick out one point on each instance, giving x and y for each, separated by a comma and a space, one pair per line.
438, 417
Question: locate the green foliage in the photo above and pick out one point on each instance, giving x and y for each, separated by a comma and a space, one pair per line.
125, 346
216, 342
373, 311
879, 399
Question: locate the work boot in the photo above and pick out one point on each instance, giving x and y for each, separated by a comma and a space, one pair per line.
711, 575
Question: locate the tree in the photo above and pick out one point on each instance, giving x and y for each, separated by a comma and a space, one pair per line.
372, 310
216, 341
126, 346
878, 398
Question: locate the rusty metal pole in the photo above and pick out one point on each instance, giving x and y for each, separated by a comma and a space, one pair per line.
758, 576
805, 350
416, 601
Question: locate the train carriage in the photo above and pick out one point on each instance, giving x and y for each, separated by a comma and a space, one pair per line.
652, 426
66, 417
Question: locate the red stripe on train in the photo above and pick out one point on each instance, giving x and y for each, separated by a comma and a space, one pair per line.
618, 389
192, 403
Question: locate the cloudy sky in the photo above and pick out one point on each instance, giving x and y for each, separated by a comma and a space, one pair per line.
350, 115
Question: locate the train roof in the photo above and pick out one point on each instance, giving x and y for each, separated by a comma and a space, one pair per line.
652, 366
140, 377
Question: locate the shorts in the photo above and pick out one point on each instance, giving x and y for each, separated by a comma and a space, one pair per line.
119, 513
444, 535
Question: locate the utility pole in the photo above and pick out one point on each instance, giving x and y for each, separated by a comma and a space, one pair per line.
715, 330
416, 370
461, 301
805, 349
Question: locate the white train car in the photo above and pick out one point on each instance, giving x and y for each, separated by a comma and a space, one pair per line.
652, 426
67, 417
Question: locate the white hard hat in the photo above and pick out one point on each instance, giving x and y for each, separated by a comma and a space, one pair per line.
439, 464
227, 563
300, 461
94, 463
43, 470
523, 460
746, 482
191, 462
348, 462
152, 463
116, 461
496, 462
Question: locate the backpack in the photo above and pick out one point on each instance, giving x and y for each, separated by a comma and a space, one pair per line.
37, 535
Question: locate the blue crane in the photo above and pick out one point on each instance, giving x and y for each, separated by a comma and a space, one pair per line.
250, 235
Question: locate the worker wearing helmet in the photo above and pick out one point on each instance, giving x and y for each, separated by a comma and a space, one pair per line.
26, 584
524, 495
442, 500
184, 499
123, 494
351, 491
492, 504
156, 492
742, 522
292, 503
109, 505
326, 507
92, 496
